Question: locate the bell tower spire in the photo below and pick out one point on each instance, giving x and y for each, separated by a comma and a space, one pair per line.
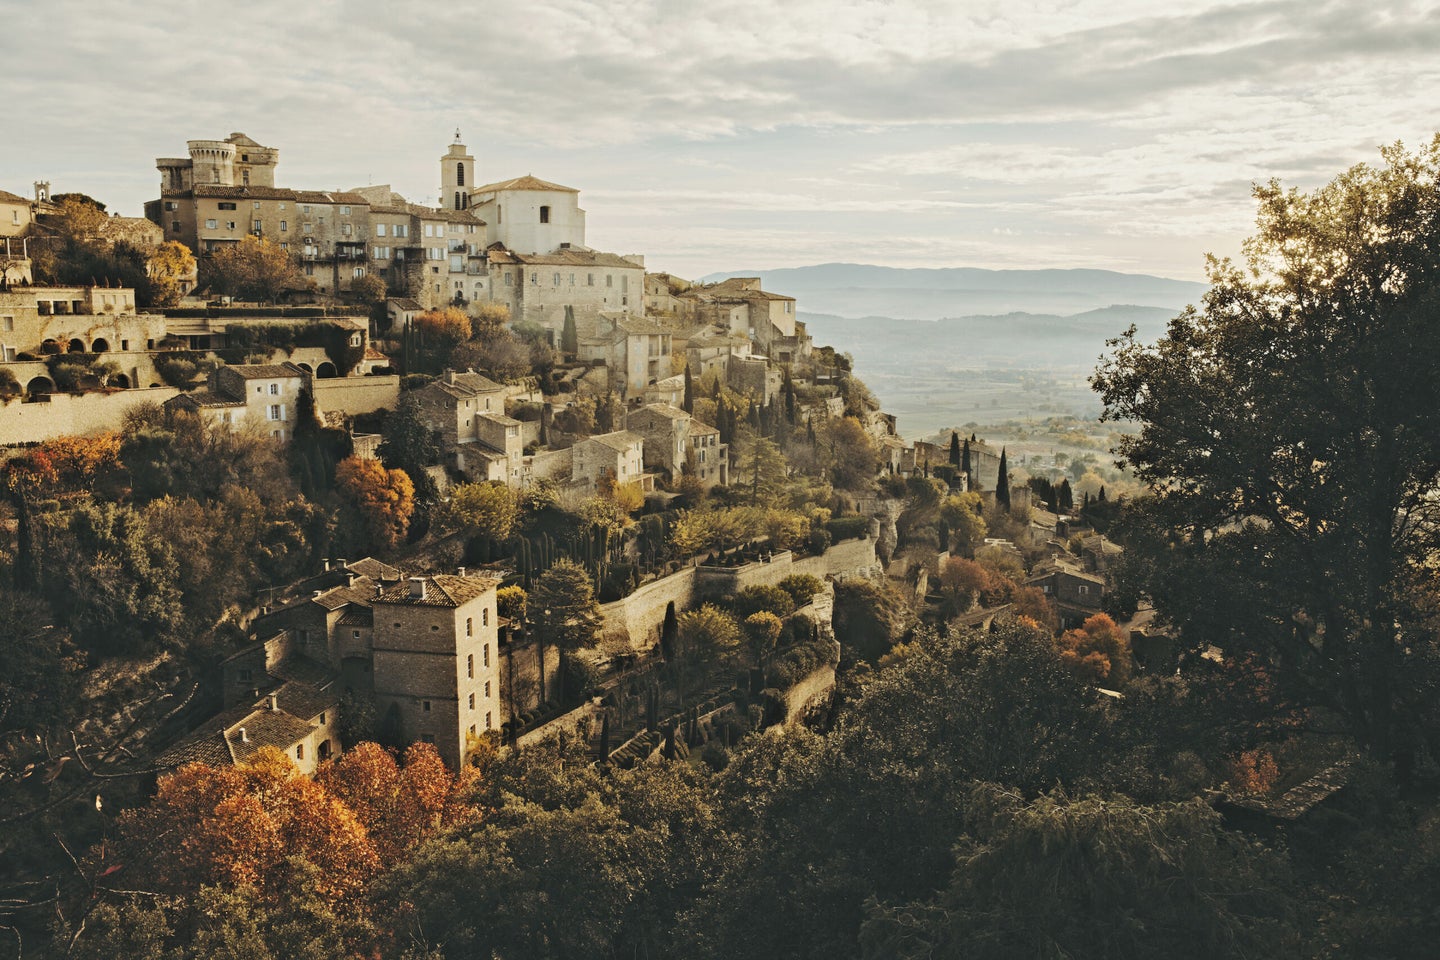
457, 175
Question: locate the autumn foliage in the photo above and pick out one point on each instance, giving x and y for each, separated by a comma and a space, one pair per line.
450, 324
1097, 650
1253, 771
264, 825
384, 498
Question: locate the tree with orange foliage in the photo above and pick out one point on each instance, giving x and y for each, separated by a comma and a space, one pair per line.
450, 326
400, 805
246, 825
80, 462
1253, 771
384, 498
1097, 650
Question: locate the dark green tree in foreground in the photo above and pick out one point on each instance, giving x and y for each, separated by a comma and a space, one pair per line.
563, 609
1002, 483
1290, 435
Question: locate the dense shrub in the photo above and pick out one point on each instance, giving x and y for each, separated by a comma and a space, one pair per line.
799, 661
763, 598
802, 587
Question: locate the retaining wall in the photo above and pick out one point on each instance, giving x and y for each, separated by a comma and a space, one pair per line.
354, 395
65, 414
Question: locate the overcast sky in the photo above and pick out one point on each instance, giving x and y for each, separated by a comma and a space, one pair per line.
740, 134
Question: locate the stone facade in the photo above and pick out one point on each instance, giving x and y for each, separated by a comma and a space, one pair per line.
635, 350
619, 455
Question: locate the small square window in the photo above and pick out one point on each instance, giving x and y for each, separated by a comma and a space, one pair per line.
425, 705
300, 751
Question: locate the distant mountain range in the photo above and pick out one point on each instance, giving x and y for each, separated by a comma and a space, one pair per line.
861, 290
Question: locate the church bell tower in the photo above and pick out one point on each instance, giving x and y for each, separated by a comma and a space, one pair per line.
457, 176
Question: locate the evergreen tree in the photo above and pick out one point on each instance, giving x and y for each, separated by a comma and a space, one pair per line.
1002, 484
689, 391
965, 466
569, 339
1067, 496
954, 449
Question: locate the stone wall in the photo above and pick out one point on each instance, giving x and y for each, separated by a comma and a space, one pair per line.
354, 395
564, 723
636, 620
64, 414
550, 463
808, 693
520, 677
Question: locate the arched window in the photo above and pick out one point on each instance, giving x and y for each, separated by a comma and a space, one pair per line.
460, 174
457, 199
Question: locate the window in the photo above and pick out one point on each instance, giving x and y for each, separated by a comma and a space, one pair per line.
229, 224
277, 411
487, 720
469, 622
226, 206
485, 617
255, 225
470, 666
322, 716
487, 689
355, 634
509, 280
245, 177
299, 751
460, 174
572, 279
124, 345
282, 206
534, 278
485, 654
557, 280
380, 230
354, 339
274, 389
284, 226
499, 214
402, 229
305, 208
609, 280
589, 279
169, 205
345, 229
9, 323
243, 676
425, 705
255, 205
544, 214
472, 701
345, 211
357, 272
382, 253
211, 224
174, 226
309, 227
472, 729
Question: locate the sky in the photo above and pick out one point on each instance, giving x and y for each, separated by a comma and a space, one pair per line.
749, 134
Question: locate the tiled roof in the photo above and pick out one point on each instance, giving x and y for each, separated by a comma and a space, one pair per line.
406, 303
564, 257
441, 591
663, 410
305, 700
500, 419
374, 569
526, 182
205, 398
356, 616
266, 728
302, 669
265, 371
699, 428
362, 591
8, 197
619, 440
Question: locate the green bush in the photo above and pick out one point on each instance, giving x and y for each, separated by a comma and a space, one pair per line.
802, 587
819, 541
799, 661
848, 528
176, 372
763, 598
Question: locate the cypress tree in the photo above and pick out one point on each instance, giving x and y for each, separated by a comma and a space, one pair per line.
689, 391
965, 466
954, 449
1067, 497
569, 338
1002, 484
1102, 494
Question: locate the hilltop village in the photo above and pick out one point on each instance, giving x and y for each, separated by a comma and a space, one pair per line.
392, 580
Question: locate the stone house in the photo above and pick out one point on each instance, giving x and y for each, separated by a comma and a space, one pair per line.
538, 287
634, 349
1075, 593
266, 396
467, 411
671, 435
16, 215
739, 305
426, 649
273, 697
225, 190
618, 455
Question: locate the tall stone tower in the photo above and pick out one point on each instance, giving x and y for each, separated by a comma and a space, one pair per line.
457, 176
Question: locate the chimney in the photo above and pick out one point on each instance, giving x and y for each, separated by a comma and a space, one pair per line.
462, 572
379, 591
417, 588
340, 564
326, 562
350, 577
274, 702
244, 738
318, 593
449, 376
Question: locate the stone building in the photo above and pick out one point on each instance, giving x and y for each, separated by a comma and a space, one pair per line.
618, 456
671, 436
225, 190
739, 305
538, 287
424, 649
263, 396
16, 215
634, 349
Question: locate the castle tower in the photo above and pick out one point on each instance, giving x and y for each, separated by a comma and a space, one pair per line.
457, 176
